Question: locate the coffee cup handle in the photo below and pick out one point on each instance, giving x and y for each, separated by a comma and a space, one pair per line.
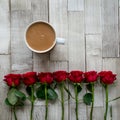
60, 40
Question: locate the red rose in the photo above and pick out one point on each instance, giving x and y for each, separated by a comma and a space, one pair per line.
46, 77
107, 77
29, 78
12, 79
91, 76
76, 76
60, 76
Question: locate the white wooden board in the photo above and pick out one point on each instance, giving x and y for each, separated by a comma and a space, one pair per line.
4, 27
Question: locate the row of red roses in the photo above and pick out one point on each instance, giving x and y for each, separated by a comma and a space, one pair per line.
29, 78
46, 78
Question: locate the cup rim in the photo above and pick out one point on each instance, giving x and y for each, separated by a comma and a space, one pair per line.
39, 51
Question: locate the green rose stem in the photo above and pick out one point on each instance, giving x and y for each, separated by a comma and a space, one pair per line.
106, 102
76, 99
62, 99
46, 103
32, 102
14, 111
91, 112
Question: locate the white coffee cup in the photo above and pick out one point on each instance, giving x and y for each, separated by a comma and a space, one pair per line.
35, 34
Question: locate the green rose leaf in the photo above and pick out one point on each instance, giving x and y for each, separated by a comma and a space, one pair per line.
79, 88
20, 95
28, 90
51, 94
89, 87
40, 93
7, 102
12, 98
87, 98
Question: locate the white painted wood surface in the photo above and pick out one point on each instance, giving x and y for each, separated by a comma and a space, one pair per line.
110, 28
91, 32
92, 16
75, 5
76, 41
4, 27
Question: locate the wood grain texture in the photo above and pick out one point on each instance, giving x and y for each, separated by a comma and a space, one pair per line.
113, 64
39, 9
110, 28
5, 112
76, 41
92, 16
20, 5
98, 113
21, 56
119, 25
94, 52
4, 27
75, 5
58, 19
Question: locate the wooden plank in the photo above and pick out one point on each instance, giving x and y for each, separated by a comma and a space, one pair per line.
41, 62
21, 56
20, 5
94, 52
94, 62
76, 56
58, 19
113, 64
110, 28
5, 112
76, 41
75, 5
39, 9
55, 66
4, 27
119, 25
92, 16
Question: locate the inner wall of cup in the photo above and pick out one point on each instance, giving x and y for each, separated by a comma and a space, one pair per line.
40, 37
